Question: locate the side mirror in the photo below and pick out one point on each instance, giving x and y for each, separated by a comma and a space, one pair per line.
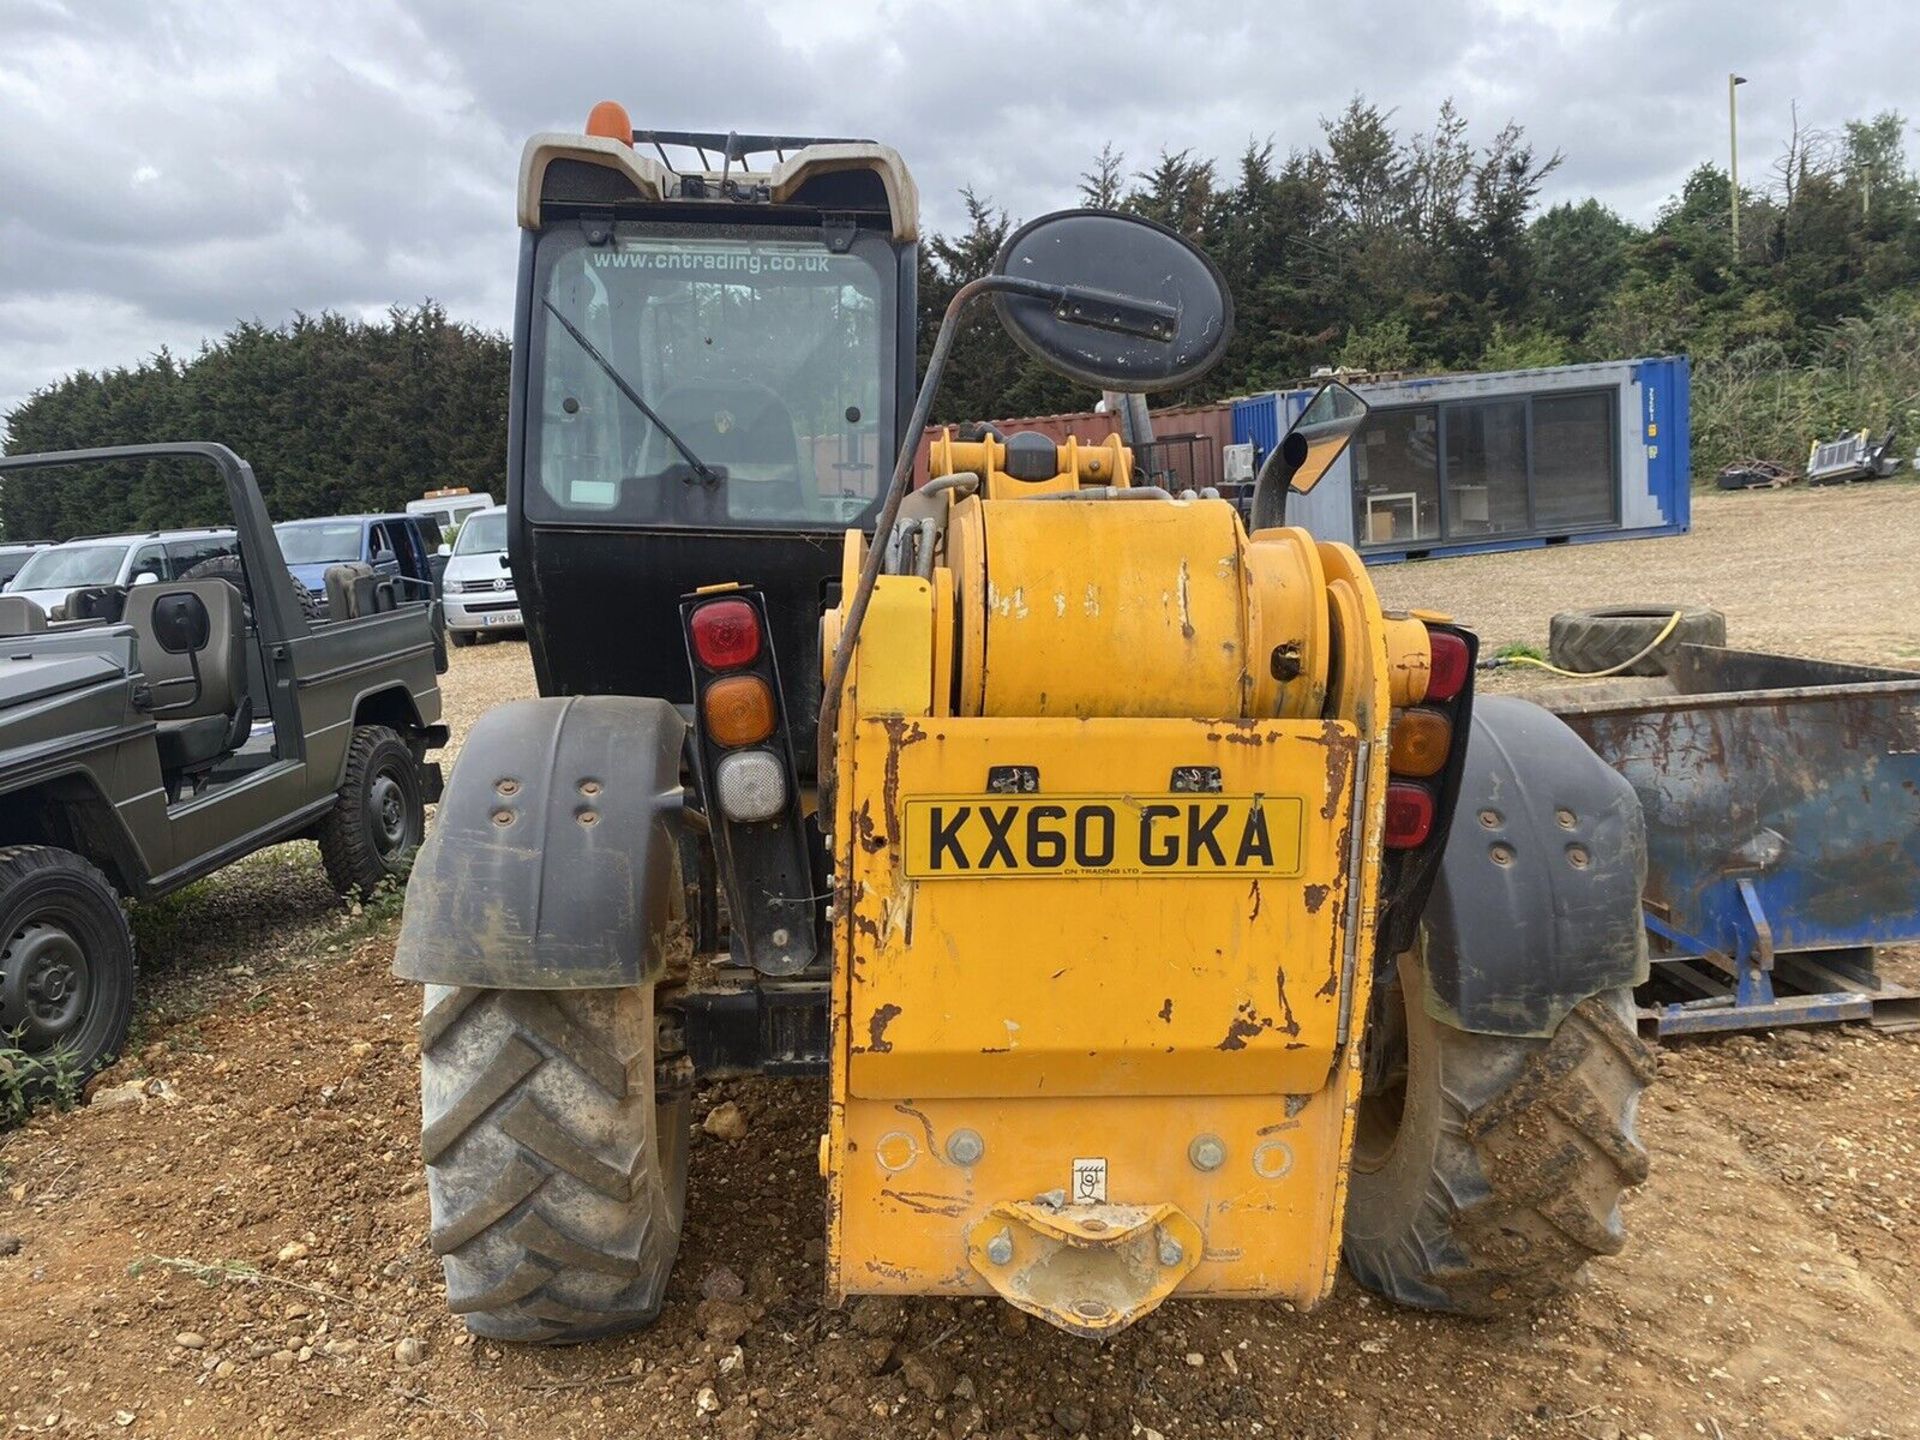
181, 623
146, 577
1306, 452
383, 557
445, 549
1114, 301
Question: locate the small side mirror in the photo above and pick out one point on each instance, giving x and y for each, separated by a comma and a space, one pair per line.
1306, 452
505, 564
181, 623
146, 577
383, 557
444, 549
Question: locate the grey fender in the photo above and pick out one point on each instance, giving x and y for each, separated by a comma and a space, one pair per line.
1537, 903
552, 862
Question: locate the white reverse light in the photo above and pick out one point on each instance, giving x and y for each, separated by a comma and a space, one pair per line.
752, 785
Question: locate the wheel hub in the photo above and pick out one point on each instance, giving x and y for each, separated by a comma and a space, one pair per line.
389, 807
44, 985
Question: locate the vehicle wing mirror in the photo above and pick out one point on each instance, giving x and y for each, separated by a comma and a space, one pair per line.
1306, 452
181, 623
1114, 301
146, 577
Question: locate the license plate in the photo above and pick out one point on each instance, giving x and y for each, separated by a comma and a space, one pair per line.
504, 617
971, 837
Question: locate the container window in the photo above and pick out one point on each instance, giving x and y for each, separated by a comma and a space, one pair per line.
1573, 462
1396, 477
1486, 453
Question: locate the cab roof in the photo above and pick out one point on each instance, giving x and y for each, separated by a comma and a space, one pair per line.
837, 176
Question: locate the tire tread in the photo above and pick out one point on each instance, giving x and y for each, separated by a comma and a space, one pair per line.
553, 1222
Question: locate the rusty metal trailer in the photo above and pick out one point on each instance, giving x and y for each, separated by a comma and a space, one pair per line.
1782, 799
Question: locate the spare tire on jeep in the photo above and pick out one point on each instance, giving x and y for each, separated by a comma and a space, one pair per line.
229, 569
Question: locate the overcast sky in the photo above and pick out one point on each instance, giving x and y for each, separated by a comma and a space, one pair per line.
167, 168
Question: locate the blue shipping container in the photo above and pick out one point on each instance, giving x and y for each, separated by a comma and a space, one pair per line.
1464, 464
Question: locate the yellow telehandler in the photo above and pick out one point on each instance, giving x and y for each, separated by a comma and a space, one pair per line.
1166, 917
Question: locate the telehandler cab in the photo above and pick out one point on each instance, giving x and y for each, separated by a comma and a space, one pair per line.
1167, 918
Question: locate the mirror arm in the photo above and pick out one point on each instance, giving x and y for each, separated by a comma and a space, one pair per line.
889, 510
1098, 309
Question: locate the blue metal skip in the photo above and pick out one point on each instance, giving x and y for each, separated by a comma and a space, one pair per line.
1782, 801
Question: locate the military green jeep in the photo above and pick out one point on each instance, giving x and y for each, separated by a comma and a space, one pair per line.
154, 732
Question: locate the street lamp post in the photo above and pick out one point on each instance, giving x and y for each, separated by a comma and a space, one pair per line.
1733, 156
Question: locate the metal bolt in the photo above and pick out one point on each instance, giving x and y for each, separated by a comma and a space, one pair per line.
1565, 817
1000, 1248
1490, 819
508, 787
1577, 856
588, 817
503, 817
589, 787
965, 1147
1207, 1152
1502, 854
1170, 1251
780, 937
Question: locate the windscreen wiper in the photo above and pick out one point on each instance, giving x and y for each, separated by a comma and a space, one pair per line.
700, 467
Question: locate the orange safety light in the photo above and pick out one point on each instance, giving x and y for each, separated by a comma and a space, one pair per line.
609, 121
1418, 743
738, 710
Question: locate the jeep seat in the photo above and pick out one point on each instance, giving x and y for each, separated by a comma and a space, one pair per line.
195, 726
21, 616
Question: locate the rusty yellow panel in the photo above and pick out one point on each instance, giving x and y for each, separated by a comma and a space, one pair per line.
1103, 984
915, 1180
1155, 625
893, 666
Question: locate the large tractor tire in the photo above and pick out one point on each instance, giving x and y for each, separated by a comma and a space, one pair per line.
378, 818
555, 1135
1590, 641
66, 968
1487, 1170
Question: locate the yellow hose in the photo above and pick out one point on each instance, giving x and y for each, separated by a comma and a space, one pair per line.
1673, 623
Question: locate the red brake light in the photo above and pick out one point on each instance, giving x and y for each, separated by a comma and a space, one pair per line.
726, 634
1409, 815
1447, 676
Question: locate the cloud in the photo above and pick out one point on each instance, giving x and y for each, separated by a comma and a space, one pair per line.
168, 168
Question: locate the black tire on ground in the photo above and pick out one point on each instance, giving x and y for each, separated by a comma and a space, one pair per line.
1487, 1170
229, 569
556, 1158
379, 816
66, 961
461, 637
1587, 641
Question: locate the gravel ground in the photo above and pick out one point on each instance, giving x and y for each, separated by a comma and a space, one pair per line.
242, 1252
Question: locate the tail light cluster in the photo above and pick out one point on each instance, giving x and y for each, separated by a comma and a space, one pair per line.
739, 708
1421, 749
1426, 755
747, 778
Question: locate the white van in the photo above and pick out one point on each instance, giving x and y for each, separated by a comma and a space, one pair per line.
448, 508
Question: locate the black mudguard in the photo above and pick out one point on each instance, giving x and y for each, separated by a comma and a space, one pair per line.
552, 861
1537, 904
